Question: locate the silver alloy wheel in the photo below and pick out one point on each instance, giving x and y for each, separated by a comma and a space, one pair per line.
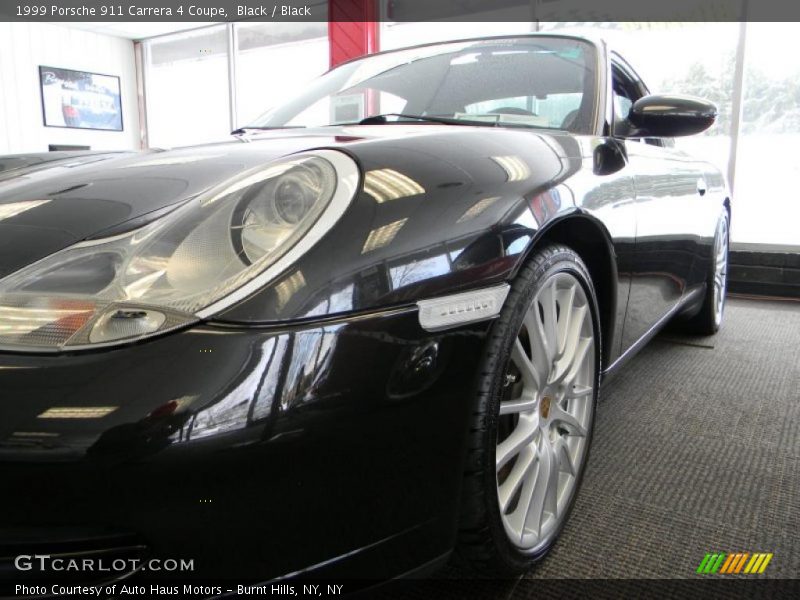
546, 412
720, 270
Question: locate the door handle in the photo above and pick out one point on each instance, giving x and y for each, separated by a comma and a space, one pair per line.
701, 187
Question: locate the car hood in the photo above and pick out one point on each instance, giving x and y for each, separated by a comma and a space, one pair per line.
50, 202
53, 200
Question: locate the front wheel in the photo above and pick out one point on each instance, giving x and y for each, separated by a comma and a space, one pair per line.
533, 416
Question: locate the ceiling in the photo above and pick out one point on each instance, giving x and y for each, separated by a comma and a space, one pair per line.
136, 30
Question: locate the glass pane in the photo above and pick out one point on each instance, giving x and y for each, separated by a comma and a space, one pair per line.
765, 205
666, 57
554, 110
187, 88
514, 82
274, 61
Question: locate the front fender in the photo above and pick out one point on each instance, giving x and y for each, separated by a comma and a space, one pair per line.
437, 214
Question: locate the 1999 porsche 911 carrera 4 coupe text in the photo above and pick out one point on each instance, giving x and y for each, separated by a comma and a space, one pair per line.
366, 331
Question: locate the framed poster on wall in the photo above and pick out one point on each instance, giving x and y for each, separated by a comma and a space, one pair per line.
80, 100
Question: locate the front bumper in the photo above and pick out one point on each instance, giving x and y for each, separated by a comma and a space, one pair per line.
336, 447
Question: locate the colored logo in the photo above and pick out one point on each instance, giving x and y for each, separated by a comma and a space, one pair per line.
734, 563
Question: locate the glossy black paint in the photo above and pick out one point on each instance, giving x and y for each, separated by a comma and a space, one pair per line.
665, 115
292, 445
316, 419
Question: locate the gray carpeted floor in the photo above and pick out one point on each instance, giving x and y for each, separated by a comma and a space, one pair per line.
696, 449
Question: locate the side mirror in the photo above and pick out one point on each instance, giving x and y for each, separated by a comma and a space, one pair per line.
664, 115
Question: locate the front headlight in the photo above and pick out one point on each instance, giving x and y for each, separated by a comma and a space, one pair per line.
201, 258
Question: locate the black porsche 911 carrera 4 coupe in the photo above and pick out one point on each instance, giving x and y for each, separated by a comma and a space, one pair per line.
366, 333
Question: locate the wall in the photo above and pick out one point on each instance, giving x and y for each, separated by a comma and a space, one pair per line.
25, 46
759, 271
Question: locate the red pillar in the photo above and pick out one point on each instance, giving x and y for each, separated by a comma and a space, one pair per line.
352, 29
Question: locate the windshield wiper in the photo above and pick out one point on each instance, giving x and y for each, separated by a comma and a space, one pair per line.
384, 119
243, 130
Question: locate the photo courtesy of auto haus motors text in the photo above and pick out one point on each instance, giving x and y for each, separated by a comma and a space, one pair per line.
122, 590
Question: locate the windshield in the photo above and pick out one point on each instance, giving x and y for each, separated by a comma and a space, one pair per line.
540, 82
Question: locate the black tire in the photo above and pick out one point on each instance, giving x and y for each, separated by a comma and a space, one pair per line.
483, 546
709, 319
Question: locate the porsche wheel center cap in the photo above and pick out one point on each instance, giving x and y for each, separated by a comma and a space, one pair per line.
544, 407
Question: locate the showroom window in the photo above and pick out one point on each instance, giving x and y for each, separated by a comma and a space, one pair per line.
665, 56
274, 61
767, 163
186, 87
198, 89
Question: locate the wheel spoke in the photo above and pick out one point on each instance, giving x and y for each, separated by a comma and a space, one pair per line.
518, 475
526, 402
564, 459
523, 435
579, 391
723, 245
551, 493
519, 356
584, 345
543, 497
573, 338
720, 270
547, 298
566, 299
570, 421
538, 342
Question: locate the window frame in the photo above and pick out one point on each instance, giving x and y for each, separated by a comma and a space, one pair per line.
633, 84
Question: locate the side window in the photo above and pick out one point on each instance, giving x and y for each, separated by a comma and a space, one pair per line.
625, 91
622, 105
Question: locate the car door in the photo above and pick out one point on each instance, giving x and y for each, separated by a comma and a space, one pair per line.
667, 184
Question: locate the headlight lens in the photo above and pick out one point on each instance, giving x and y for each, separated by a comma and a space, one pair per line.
181, 267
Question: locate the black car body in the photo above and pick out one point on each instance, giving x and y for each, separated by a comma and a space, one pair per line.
314, 425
